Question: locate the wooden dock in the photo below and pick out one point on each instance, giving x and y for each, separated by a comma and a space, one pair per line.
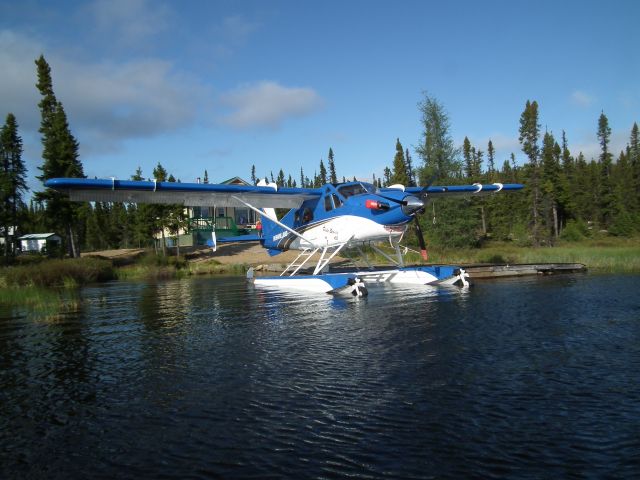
518, 270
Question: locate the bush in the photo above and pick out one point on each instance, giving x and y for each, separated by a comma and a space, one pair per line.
574, 231
623, 225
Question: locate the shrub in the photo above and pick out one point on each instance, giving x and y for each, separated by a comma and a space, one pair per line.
574, 231
623, 225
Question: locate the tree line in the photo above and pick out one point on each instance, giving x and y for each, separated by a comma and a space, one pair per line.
566, 195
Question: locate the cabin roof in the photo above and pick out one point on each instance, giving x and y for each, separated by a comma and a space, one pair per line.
235, 181
37, 236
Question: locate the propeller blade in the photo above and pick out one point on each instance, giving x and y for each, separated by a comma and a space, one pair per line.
423, 246
391, 199
423, 192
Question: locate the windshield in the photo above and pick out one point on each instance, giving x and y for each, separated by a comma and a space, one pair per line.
351, 189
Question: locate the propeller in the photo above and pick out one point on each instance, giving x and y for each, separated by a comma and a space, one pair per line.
413, 205
421, 195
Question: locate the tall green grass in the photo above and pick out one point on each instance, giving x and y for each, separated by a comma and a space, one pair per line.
46, 301
68, 273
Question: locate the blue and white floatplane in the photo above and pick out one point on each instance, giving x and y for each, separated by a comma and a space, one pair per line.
321, 223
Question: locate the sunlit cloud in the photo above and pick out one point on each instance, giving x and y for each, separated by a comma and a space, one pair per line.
129, 22
581, 98
106, 102
268, 104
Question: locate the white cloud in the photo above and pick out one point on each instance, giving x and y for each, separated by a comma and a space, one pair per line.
591, 149
129, 22
268, 104
105, 102
236, 29
581, 99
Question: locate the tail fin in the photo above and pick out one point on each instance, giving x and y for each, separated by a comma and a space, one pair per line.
274, 235
270, 228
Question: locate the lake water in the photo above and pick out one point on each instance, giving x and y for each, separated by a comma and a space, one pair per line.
212, 378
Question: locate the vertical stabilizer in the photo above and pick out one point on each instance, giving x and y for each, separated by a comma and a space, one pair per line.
269, 212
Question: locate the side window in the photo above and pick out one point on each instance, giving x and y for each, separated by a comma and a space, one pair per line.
336, 200
307, 216
328, 205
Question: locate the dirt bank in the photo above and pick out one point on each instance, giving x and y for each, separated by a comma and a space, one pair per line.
231, 253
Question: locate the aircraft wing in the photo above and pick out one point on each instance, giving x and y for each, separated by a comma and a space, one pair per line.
454, 190
188, 194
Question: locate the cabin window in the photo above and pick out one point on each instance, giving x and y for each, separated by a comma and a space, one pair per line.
336, 200
307, 215
328, 204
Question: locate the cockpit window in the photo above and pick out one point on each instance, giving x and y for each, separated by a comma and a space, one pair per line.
352, 189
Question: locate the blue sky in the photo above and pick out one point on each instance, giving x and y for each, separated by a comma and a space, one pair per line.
223, 85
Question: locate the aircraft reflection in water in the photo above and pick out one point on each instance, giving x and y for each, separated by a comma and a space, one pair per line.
321, 223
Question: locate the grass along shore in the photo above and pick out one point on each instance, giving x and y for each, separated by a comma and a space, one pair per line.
49, 287
606, 256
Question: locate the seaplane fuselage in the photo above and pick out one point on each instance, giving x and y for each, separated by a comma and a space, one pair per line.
346, 213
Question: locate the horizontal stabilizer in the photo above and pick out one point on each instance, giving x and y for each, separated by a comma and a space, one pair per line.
240, 238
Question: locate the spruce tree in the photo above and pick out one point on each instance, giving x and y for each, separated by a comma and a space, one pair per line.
60, 155
411, 178
387, 176
551, 183
529, 137
634, 157
205, 179
12, 181
491, 163
607, 197
399, 173
333, 178
566, 203
322, 179
467, 158
476, 164
439, 156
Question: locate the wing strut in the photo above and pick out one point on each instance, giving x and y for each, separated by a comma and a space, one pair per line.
274, 220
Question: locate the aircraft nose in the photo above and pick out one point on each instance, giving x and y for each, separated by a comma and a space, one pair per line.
412, 205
